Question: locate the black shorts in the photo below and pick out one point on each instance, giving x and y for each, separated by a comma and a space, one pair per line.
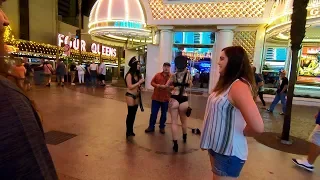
102, 77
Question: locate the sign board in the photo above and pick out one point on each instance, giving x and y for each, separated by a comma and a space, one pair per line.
313, 12
310, 50
106, 51
128, 24
74, 44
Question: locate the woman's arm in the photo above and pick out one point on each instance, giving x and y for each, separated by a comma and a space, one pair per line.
241, 97
129, 82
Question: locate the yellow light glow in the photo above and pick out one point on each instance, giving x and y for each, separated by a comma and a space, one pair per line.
282, 36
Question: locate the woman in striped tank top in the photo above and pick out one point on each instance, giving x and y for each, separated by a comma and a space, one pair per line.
231, 115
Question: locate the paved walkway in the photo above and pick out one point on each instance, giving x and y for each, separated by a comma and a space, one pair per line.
302, 116
100, 150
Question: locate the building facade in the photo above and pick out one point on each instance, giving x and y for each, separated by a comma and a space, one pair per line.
201, 29
159, 30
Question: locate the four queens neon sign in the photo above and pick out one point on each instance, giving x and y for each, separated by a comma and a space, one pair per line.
95, 48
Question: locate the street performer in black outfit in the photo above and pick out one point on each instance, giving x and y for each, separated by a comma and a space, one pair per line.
133, 80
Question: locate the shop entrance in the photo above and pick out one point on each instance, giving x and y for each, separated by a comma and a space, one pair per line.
198, 48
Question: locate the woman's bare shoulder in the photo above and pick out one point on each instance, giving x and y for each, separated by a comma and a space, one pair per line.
240, 86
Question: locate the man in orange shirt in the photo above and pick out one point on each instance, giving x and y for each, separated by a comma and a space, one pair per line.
160, 99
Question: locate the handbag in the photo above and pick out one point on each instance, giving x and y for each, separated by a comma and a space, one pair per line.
189, 110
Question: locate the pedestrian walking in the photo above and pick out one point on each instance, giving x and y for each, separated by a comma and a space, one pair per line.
314, 149
93, 70
160, 99
102, 74
178, 105
29, 75
48, 72
87, 74
73, 70
259, 85
230, 117
81, 72
61, 72
281, 94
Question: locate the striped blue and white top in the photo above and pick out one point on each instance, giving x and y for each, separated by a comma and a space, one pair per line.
223, 127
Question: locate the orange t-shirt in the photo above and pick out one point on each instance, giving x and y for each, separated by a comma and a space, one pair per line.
20, 72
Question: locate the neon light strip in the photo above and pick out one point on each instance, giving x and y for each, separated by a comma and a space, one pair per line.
114, 20
93, 10
121, 38
141, 11
108, 28
97, 10
109, 10
126, 9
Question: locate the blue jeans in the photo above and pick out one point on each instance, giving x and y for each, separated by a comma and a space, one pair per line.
279, 97
155, 106
94, 76
226, 166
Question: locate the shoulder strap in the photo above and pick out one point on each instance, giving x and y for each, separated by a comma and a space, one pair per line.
182, 83
247, 83
83, 68
184, 78
228, 90
50, 69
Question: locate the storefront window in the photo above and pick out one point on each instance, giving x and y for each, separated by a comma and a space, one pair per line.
198, 47
309, 69
275, 60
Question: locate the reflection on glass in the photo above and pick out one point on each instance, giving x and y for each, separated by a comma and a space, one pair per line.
274, 62
197, 47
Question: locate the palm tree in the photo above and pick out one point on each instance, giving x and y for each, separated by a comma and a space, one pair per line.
297, 34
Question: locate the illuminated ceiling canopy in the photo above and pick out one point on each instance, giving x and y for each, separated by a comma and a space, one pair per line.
118, 19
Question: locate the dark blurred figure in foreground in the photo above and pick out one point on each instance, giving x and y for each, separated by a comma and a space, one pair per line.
23, 151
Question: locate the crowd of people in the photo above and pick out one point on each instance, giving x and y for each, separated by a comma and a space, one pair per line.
89, 73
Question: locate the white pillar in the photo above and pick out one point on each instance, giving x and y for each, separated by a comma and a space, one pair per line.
151, 64
166, 44
259, 49
129, 53
224, 39
157, 55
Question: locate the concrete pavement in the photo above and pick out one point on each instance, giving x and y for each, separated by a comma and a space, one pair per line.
100, 150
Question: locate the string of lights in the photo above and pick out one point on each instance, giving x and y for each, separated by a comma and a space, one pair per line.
48, 51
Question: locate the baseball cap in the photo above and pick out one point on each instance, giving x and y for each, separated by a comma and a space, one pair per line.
166, 64
283, 71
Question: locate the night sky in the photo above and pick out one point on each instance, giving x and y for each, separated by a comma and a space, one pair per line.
86, 6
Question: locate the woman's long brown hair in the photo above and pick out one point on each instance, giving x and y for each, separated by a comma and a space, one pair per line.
238, 67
